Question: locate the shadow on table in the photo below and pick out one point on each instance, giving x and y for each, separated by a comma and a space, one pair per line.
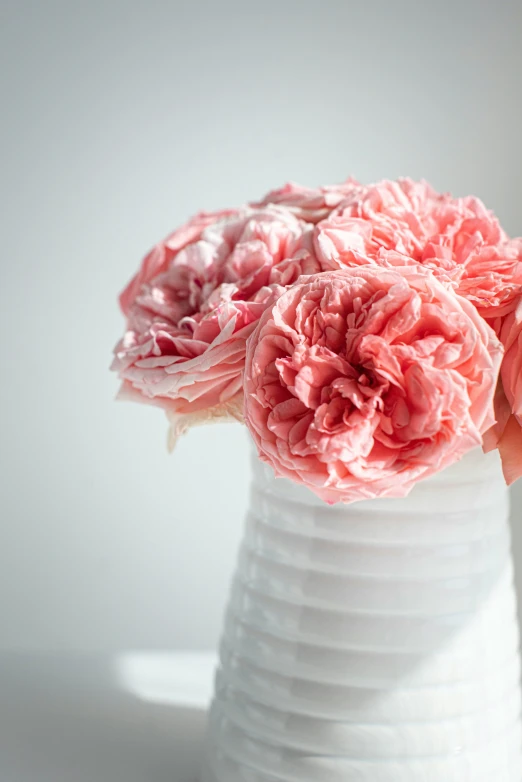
73, 721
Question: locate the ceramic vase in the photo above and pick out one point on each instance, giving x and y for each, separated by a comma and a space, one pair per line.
371, 642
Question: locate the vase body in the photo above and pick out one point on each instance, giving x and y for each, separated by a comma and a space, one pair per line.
371, 642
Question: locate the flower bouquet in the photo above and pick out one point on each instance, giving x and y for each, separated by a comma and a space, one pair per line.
368, 337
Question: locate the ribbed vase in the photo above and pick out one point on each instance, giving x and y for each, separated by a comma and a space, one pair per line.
372, 642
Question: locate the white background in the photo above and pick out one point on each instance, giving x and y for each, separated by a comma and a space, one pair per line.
120, 119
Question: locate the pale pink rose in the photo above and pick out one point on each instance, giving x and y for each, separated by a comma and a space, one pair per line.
359, 383
184, 348
506, 434
158, 259
311, 204
457, 238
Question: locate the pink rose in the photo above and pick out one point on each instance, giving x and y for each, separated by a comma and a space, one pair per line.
158, 259
311, 204
190, 316
358, 383
457, 238
506, 434
386, 216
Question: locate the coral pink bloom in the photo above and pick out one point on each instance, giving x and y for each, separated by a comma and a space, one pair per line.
506, 435
190, 311
359, 383
457, 238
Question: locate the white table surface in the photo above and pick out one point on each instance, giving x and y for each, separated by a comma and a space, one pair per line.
135, 717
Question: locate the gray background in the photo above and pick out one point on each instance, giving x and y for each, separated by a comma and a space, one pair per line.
120, 119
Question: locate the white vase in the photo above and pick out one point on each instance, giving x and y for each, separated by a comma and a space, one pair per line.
372, 642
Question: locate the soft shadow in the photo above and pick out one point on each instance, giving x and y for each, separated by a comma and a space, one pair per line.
63, 721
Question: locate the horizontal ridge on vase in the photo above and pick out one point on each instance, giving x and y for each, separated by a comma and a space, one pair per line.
371, 642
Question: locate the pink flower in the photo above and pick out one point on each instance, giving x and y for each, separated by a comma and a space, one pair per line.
191, 310
457, 238
158, 259
506, 434
358, 383
311, 204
